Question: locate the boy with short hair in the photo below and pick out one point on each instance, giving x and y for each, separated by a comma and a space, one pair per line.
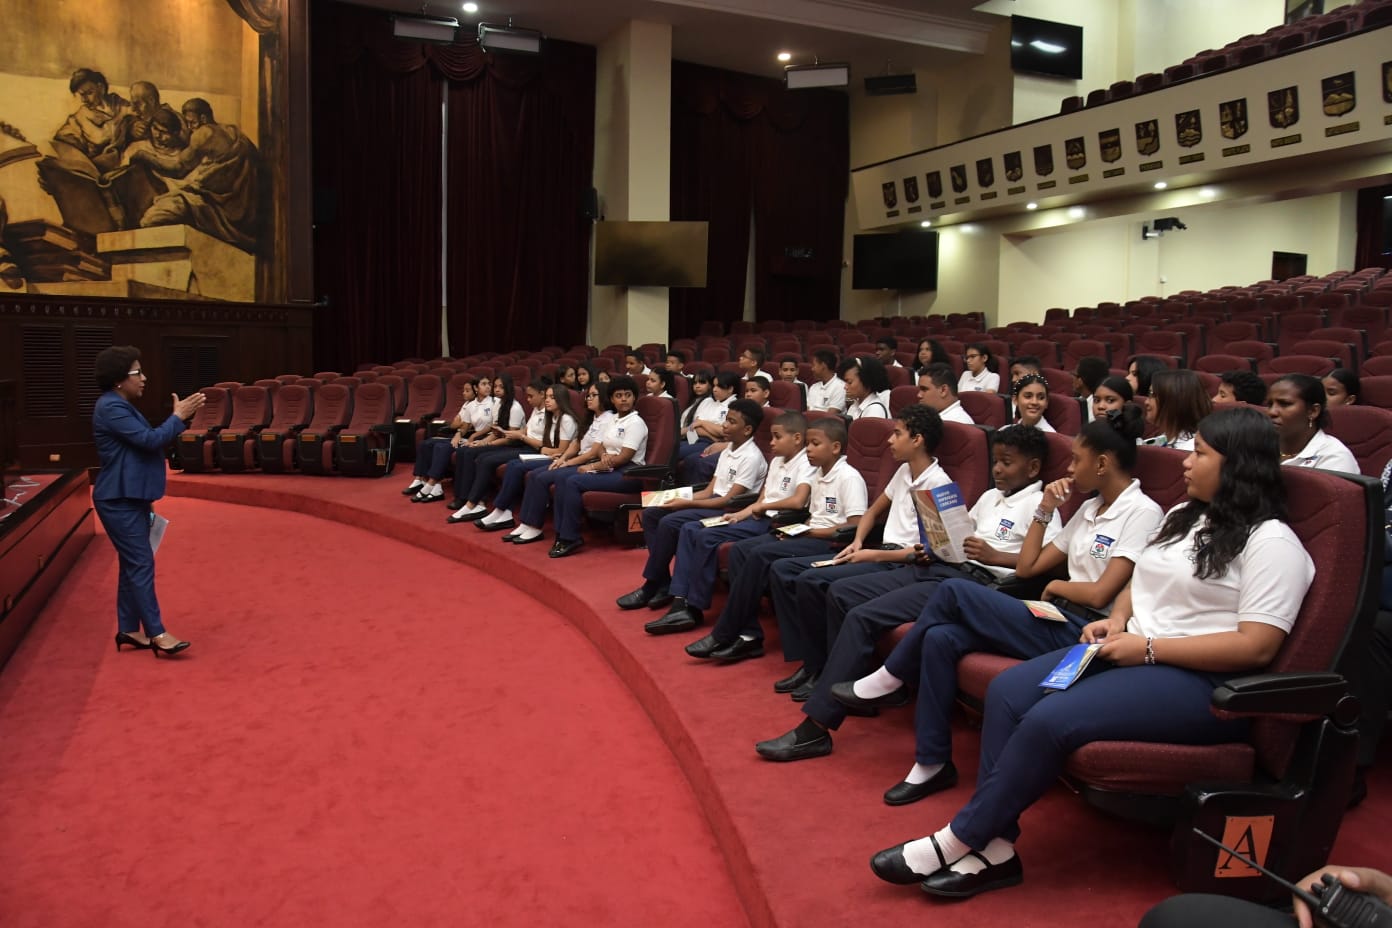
751, 364
756, 390
836, 499
827, 391
1240, 387
787, 486
788, 371
635, 366
885, 347
676, 362
937, 389
740, 470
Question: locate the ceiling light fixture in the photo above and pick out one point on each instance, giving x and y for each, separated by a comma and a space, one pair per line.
926, 223
471, 8
785, 56
495, 38
1076, 212
1208, 193
810, 76
423, 29
1031, 206
1160, 185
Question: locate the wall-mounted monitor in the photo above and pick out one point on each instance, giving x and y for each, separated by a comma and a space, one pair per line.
650, 254
895, 261
1038, 46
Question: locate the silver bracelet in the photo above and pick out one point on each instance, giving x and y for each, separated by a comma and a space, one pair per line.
1150, 650
1042, 517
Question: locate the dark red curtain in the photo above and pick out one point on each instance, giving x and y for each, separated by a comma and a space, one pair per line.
521, 143
1374, 249
742, 146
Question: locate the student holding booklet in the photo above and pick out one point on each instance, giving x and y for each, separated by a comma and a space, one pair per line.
1213, 596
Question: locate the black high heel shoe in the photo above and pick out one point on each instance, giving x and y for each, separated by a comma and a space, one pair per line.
170, 651
123, 638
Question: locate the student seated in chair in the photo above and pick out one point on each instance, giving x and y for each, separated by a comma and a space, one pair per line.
740, 470
1213, 596
787, 487
827, 391
1300, 410
1031, 398
433, 455
1240, 387
937, 389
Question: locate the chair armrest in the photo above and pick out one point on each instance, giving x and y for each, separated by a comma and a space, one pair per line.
743, 500
1304, 694
846, 535
386, 429
793, 517
649, 472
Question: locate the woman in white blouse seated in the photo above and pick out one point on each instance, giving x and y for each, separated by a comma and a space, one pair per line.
1213, 596
867, 388
1297, 406
1177, 403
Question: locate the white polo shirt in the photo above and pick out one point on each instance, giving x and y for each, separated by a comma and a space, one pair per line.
516, 415
901, 524
1266, 583
709, 409
536, 424
1003, 521
984, 381
1326, 451
827, 395
837, 495
628, 431
596, 430
481, 414
873, 406
744, 466
567, 431
957, 413
784, 476
1124, 530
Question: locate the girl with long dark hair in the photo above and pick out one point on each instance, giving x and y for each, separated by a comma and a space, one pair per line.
558, 436
1175, 406
474, 465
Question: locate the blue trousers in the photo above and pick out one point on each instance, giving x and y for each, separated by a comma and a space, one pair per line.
690, 449
698, 557
964, 616
799, 603
859, 611
1028, 732
473, 472
536, 498
697, 468
571, 490
662, 531
515, 482
127, 524
432, 458
750, 561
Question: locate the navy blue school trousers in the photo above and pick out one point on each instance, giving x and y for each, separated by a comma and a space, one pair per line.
1027, 735
473, 473
515, 482
432, 458
536, 498
569, 492
661, 532
799, 603
750, 561
698, 557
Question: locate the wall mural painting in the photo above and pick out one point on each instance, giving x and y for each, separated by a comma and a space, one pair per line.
130, 163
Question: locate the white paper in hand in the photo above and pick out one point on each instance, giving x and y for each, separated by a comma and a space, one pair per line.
158, 525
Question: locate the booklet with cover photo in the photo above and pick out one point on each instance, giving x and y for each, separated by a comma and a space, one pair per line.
944, 523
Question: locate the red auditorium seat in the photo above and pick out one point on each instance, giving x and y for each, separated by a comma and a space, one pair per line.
1297, 327
988, 409
1371, 319
1255, 350
1342, 353
1045, 350
251, 412
194, 450
1164, 343
1356, 339
363, 447
1060, 381
902, 397
1081, 348
327, 376
294, 408
1314, 365
333, 407
1367, 431
1379, 365
965, 453
784, 395
660, 416
1065, 414
1223, 333
425, 401
1375, 391
400, 387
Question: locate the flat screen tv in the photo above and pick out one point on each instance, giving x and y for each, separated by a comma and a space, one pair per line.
650, 254
896, 261
1038, 46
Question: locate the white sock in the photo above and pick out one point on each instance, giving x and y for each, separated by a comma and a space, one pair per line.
922, 773
922, 858
458, 515
997, 852
526, 533
416, 484
433, 490
746, 637
880, 683
477, 507
496, 516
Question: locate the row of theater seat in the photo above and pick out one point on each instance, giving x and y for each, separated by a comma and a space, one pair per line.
1250, 49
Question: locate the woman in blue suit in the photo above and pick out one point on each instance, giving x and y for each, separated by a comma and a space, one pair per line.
130, 480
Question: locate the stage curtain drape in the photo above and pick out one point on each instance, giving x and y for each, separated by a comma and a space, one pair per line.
520, 142
742, 146
1373, 248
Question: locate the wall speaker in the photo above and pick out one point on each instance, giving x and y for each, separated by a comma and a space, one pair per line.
889, 84
589, 204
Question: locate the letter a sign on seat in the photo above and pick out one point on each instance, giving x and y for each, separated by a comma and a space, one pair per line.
1250, 836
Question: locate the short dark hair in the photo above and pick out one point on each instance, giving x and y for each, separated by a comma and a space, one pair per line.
1026, 439
635, 353
942, 375
792, 421
168, 120
87, 76
789, 359
1351, 383
623, 382
753, 415
888, 341
833, 427
1147, 366
1027, 360
755, 352
923, 422
1115, 434
1092, 370
826, 356
199, 106
1311, 390
873, 375
726, 380
113, 365
679, 355
1246, 386
1121, 387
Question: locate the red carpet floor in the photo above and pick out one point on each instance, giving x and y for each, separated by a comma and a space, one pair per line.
363, 734
797, 837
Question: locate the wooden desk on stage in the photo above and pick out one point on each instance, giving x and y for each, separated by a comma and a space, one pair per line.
39, 542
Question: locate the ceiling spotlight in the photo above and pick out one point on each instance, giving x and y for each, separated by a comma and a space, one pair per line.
1076, 212
1031, 206
495, 38
926, 223
471, 8
425, 29
785, 57
1208, 193
1160, 185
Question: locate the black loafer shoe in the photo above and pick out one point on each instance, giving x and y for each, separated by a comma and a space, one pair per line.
844, 693
804, 692
740, 649
672, 622
786, 747
788, 684
524, 541
704, 647
412, 490
433, 498
565, 548
901, 794
951, 885
467, 517
635, 600
455, 504
661, 599
496, 526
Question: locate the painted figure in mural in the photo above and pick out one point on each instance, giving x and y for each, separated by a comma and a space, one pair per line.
10, 275
145, 103
95, 128
212, 179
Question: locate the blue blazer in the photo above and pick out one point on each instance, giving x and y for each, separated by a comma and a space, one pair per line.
131, 452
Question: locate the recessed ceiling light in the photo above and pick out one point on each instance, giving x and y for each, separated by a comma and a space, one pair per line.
1160, 185
1208, 193
1031, 206
926, 223
785, 56
1076, 212
471, 8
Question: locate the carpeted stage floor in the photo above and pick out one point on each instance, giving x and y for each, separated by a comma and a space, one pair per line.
385, 719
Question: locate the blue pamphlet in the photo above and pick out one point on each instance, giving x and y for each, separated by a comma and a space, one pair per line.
1071, 667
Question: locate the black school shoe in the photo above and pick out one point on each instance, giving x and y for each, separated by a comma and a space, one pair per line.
903, 793
844, 693
787, 746
951, 885
564, 548
741, 649
792, 682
